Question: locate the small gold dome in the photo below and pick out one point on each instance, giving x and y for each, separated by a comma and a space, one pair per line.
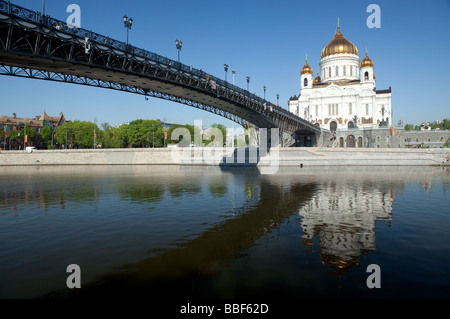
317, 79
306, 68
366, 62
339, 45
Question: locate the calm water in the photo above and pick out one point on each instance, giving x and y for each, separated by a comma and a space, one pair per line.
206, 232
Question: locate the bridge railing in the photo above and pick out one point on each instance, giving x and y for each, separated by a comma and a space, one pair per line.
101, 40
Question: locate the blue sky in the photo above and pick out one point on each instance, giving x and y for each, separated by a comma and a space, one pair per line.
266, 40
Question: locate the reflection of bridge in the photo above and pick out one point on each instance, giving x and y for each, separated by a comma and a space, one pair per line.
40, 47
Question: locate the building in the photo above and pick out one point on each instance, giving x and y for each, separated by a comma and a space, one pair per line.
343, 94
15, 124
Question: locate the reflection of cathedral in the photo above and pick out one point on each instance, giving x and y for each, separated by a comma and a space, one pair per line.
343, 95
343, 219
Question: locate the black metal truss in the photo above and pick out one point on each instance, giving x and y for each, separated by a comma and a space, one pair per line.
28, 36
59, 77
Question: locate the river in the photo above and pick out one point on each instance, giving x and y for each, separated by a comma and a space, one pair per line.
212, 232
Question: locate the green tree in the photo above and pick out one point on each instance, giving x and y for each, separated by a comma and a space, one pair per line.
121, 135
217, 135
79, 134
145, 133
46, 135
30, 132
64, 134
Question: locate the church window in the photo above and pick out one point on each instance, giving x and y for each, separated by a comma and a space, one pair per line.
350, 111
366, 75
329, 72
305, 82
317, 110
333, 109
337, 71
345, 70
367, 109
351, 73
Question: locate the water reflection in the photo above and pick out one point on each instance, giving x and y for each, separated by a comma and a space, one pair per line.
205, 220
343, 218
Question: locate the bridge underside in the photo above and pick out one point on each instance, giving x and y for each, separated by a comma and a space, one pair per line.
70, 73
32, 47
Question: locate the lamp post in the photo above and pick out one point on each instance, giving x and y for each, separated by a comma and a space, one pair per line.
25, 136
95, 134
128, 23
278, 99
4, 140
225, 67
248, 83
264, 92
234, 72
178, 44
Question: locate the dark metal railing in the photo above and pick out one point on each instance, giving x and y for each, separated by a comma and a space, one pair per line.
58, 25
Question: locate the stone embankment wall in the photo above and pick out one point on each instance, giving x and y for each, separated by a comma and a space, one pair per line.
229, 156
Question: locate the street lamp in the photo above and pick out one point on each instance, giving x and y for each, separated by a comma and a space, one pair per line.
95, 134
25, 136
225, 66
153, 128
248, 82
178, 45
278, 99
264, 92
4, 140
128, 22
234, 72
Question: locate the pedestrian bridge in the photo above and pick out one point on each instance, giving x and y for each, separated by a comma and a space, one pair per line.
41, 47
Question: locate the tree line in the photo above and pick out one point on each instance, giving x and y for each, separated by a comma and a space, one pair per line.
136, 134
442, 125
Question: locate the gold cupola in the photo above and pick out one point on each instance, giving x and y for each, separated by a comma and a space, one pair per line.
317, 79
306, 68
366, 62
339, 45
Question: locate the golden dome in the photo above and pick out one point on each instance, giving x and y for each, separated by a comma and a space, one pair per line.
306, 68
317, 79
366, 62
339, 45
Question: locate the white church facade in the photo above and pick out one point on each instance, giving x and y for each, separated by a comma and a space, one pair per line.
343, 94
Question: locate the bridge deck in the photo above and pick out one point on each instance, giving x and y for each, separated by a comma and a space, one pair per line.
30, 42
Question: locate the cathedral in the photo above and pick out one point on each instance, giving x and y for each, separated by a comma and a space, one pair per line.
343, 93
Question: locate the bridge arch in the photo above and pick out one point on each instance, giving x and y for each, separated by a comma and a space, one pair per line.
32, 46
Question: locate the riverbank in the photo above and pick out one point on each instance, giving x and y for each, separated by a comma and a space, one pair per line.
230, 156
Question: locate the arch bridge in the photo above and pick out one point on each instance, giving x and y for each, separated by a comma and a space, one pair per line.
41, 47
